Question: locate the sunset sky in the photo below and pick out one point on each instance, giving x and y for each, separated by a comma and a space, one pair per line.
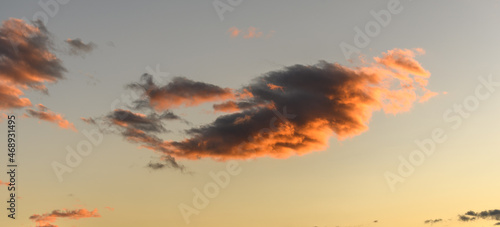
219, 113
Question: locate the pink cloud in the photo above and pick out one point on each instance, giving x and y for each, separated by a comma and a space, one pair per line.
46, 220
43, 113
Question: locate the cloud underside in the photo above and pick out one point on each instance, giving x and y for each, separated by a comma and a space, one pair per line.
293, 111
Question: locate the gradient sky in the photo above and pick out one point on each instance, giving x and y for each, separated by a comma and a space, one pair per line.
342, 185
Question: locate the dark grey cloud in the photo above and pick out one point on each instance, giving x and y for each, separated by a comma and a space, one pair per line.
148, 123
466, 218
232, 106
433, 221
166, 162
77, 47
140, 129
26, 57
179, 92
473, 216
298, 109
89, 120
125, 119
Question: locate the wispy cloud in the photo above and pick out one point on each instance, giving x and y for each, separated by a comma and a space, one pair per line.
140, 129
47, 219
403, 60
433, 221
250, 33
44, 114
77, 47
234, 32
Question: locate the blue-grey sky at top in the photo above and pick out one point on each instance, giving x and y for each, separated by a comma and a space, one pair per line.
187, 38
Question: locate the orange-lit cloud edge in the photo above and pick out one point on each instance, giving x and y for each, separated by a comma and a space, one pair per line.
28, 64
47, 219
326, 100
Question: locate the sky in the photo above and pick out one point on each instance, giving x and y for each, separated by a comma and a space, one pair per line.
251, 113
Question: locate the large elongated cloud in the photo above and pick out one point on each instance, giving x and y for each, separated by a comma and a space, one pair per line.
47, 220
293, 111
